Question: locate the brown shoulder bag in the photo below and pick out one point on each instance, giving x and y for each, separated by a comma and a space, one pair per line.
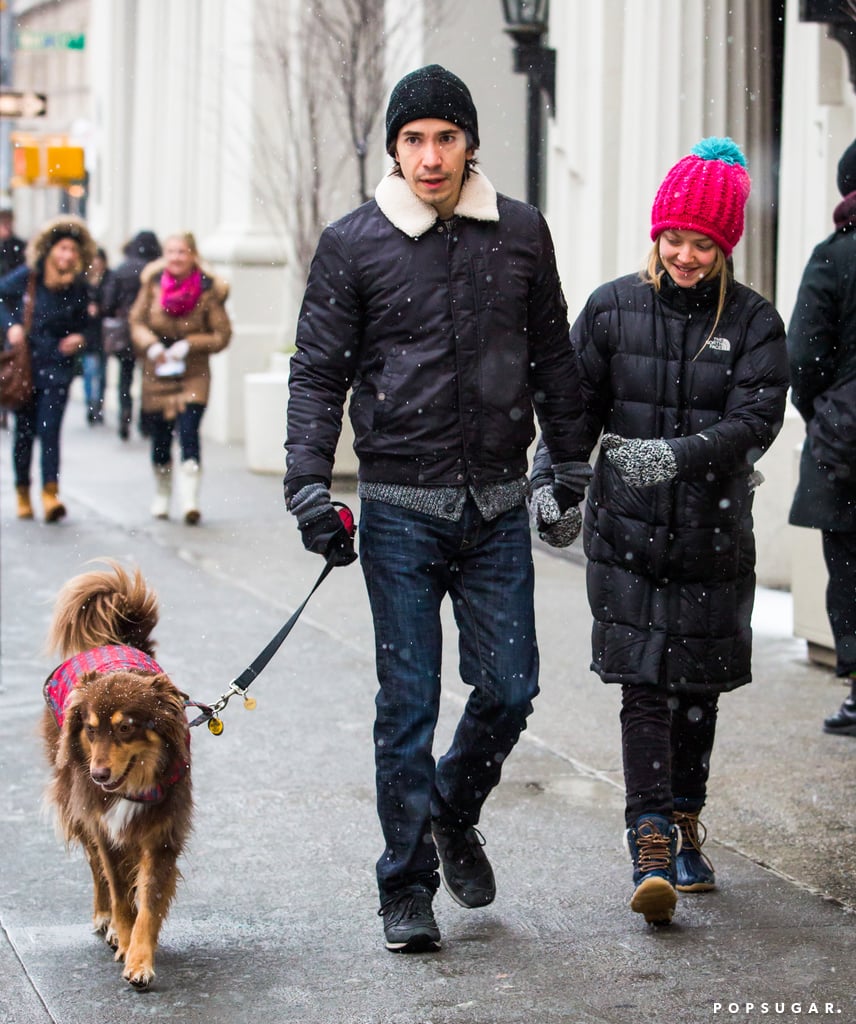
16, 367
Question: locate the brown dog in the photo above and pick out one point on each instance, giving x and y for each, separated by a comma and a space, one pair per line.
116, 735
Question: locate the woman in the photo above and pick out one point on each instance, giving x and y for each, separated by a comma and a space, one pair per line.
51, 283
178, 319
822, 352
119, 294
687, 372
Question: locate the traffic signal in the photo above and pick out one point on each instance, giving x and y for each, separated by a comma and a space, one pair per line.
49, 160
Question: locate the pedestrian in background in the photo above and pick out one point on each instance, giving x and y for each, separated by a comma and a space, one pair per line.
11, 255
686, 371
93, 362
118, 297
439, 301
52, 284
822, 352
12, 248
177, 321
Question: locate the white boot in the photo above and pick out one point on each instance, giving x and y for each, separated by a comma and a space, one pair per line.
163, 491
189, 490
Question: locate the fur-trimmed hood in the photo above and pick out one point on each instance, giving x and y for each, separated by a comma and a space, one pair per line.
218, 286
412, 215
55, 230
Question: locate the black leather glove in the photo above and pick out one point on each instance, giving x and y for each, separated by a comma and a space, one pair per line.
640, 463
321, 528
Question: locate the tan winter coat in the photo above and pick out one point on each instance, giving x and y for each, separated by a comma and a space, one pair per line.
206, 328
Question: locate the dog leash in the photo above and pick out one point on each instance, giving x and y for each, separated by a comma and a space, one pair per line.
210, 713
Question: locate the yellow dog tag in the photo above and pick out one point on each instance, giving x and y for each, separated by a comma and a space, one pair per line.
250, 703
215, 726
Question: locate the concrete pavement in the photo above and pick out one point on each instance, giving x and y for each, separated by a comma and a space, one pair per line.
275, 919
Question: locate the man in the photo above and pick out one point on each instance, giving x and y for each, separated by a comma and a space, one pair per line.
439, 302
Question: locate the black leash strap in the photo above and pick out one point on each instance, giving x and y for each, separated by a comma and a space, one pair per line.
258, 664
242, 682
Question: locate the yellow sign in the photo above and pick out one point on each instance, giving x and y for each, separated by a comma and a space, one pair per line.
46, 160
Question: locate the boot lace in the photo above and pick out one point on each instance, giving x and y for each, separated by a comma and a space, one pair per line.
654, 850
689, 825
407, 906
464, 847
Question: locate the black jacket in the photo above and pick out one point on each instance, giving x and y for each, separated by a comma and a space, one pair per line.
121, 289
671, 567
822, 354
448, 334
56, 314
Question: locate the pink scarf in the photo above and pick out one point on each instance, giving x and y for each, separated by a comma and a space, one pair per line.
179, 297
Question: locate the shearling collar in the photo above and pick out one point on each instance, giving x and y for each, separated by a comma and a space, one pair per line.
410, 214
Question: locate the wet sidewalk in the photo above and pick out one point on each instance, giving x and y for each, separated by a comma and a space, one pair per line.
275, 919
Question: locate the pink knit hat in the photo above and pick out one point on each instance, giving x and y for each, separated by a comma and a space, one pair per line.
705, 192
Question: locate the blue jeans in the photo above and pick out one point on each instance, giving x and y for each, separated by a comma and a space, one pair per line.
187, 425
93, 380
411, 562
41, 419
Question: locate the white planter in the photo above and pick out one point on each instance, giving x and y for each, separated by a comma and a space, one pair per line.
265, 404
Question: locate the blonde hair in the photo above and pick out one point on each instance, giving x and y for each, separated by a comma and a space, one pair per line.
653, 274
187, 237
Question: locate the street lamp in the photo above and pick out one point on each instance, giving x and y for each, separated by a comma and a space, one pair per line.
527, 22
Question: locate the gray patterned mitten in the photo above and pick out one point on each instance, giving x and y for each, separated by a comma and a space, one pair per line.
640, 463
556, 528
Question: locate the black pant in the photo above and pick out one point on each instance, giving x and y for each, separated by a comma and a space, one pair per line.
126, 380
839, 553
666, 741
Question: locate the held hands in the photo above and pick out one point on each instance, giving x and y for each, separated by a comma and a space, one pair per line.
640, 463
320, 526
557, 527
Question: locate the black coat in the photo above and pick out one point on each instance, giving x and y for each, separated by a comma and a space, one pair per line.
670, 571
449, 336
822, 353
122, 287
56, 314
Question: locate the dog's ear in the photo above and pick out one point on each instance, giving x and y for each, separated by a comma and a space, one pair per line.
172, 708
66, 754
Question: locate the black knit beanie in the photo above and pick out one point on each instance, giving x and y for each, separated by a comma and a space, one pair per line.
847, 170
431, 91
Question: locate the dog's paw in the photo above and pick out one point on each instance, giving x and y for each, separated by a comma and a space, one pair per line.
101, 925
139, 972
111, 936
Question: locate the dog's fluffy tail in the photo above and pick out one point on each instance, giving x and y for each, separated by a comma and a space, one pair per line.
109, 606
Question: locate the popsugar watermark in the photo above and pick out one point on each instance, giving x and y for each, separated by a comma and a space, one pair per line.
774, 1008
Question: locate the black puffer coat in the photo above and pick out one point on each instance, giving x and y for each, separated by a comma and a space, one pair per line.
671, 567
822, 353
449, 335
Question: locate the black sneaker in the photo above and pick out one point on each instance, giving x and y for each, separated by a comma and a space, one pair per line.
464, 868
843, 722
408, 922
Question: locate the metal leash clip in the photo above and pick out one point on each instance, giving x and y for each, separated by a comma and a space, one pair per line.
210, 713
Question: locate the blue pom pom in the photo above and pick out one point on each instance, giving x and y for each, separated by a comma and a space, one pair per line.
725, 149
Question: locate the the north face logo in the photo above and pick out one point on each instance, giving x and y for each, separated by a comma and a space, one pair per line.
720, 344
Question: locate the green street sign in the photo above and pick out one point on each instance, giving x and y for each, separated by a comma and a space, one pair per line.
29, 39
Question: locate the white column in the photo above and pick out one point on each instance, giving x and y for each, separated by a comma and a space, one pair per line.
242, 246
